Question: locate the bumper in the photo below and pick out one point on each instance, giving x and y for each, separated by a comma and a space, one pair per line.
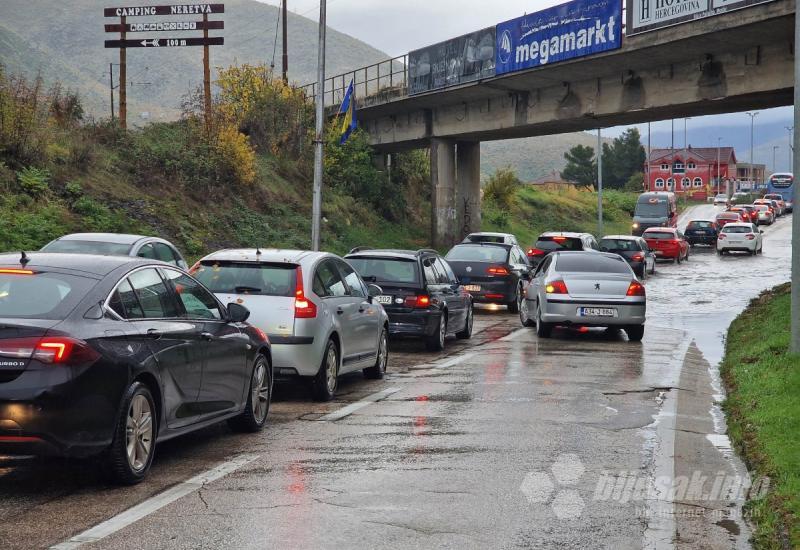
494, 292
566, 313
736, 247
666, 254
296, 358
60, 410
414, 324
701, 239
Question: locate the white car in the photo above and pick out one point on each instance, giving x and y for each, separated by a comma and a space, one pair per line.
740, 237
766, 215
722, 198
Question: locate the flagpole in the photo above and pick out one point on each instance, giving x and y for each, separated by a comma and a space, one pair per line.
319, 144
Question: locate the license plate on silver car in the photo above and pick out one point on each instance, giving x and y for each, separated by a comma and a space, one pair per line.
384, 300
597, 312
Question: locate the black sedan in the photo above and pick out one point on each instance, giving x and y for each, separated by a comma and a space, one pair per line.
702, 232
110, 355
493, 273
633, 250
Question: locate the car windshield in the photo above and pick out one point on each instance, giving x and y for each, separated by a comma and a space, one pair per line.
722, 196
728, 217
248, 278
88, 247
559, 243
660, 235
53, 296
700, 225
736, 229
387, 270
762, 207
616, 245
582, 263
651, 210
472, 253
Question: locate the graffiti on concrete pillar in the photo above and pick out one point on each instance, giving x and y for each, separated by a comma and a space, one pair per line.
466, 225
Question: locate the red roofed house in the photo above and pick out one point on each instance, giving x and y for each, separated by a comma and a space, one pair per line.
693, 172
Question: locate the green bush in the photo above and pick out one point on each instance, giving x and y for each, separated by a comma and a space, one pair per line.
502, 187
73, 189
34, 181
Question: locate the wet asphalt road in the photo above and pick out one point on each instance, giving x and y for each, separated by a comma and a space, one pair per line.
501, 441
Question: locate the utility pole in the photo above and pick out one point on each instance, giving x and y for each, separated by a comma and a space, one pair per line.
790, 129
123, 78
795, 338
672, 158
719, 141
284, 17
752, 132
647, 188
319, 143
685, 134
206, 76
600, 183
111, 88
774, 150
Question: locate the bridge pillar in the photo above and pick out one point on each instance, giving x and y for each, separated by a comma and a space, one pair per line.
468, 189
443, 192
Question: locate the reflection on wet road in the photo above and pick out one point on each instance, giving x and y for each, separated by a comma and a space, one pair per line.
504, 441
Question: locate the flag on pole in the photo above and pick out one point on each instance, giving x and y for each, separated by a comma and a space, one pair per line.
348, 109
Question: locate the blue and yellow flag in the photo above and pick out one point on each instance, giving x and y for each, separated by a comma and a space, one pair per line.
348, 109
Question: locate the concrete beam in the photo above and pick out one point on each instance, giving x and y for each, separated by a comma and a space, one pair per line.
468, 190
443, 192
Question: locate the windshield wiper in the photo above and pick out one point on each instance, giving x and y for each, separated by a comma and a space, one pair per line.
243, 289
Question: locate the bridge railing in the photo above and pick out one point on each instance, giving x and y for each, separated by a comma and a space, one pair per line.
376, 83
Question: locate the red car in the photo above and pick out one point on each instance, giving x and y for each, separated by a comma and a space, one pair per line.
749, 213
668, 243
730, 217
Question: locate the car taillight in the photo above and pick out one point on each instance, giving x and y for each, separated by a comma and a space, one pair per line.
535, 252
195, 268
56, 350
556, 287
721, 236
638, 257
303, 307
497, 271
750, 237
422, 301
635, 289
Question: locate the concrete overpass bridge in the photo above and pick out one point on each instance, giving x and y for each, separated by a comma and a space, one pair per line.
724, 63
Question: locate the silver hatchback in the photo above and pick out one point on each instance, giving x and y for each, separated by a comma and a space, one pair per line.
318, 313
584, 289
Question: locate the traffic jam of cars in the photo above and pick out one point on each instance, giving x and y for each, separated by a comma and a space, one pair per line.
110, 344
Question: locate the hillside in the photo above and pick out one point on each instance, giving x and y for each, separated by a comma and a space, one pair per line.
67, 46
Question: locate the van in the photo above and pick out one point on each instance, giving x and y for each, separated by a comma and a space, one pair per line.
657, 209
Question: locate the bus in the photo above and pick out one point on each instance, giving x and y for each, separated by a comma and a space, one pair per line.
782, 184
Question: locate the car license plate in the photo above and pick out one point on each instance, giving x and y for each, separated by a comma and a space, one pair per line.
597, 312
472, 288
387, 300
659, 252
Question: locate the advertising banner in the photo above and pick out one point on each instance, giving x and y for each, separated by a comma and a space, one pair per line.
571, 30
464, 59
648, 15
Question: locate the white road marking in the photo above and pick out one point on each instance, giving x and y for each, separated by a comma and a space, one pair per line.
156, 503
353, 407
455, 361
514, 335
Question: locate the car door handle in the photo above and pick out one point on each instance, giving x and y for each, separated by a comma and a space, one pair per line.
339, 311
153, 333
362, 309
207, 336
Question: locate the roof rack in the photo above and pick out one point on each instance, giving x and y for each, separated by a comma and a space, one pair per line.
358, 249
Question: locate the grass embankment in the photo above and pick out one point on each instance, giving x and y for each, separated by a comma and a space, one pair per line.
535, 211
763, 407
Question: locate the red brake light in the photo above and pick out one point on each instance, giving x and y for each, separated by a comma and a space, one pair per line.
195, 268
421, 302
635, 289
303, 307
556, 287
638, 257
497, 271
721, 236
750, 237
559, 240
535, 252
16, 272
50, 350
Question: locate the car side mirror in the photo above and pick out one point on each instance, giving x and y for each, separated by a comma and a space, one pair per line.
238, 313
374, 290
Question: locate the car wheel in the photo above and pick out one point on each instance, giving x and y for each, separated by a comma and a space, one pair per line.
543, 330
524, 313
642, 273
376, 372
513, 305
259, 399
327, 379
133, 446
653, 270
678, 258
435, 342
466, 334
686, 258
635, 332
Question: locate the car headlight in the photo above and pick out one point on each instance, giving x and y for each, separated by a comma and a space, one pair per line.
636, 226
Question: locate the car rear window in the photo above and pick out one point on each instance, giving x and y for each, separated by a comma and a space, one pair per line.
387, 270
41, 295
559, 243
88, 247
248, 278
700, 225
736, 229
732, 216
486, 239
581, 263
660, 235
619, 244
494, 254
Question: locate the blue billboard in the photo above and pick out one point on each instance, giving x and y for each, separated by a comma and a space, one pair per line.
567, 31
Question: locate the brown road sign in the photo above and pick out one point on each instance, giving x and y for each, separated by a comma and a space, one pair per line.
165, 42
157, 26
182, 9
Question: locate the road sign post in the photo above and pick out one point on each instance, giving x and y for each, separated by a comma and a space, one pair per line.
123, 28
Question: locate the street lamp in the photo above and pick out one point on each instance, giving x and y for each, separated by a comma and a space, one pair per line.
685, 134
752, 130
719, 141
790, 129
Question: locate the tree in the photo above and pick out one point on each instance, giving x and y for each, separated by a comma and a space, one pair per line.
622, 159
581, 167
502, 188
635, 183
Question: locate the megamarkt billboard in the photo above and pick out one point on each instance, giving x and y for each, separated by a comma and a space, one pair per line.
568, 31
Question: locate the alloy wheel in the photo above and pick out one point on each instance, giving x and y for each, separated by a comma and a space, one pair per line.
523, 309
260, 389
383, 356
139, 433
331, 369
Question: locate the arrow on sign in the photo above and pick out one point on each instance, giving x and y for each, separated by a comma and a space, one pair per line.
153, 42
